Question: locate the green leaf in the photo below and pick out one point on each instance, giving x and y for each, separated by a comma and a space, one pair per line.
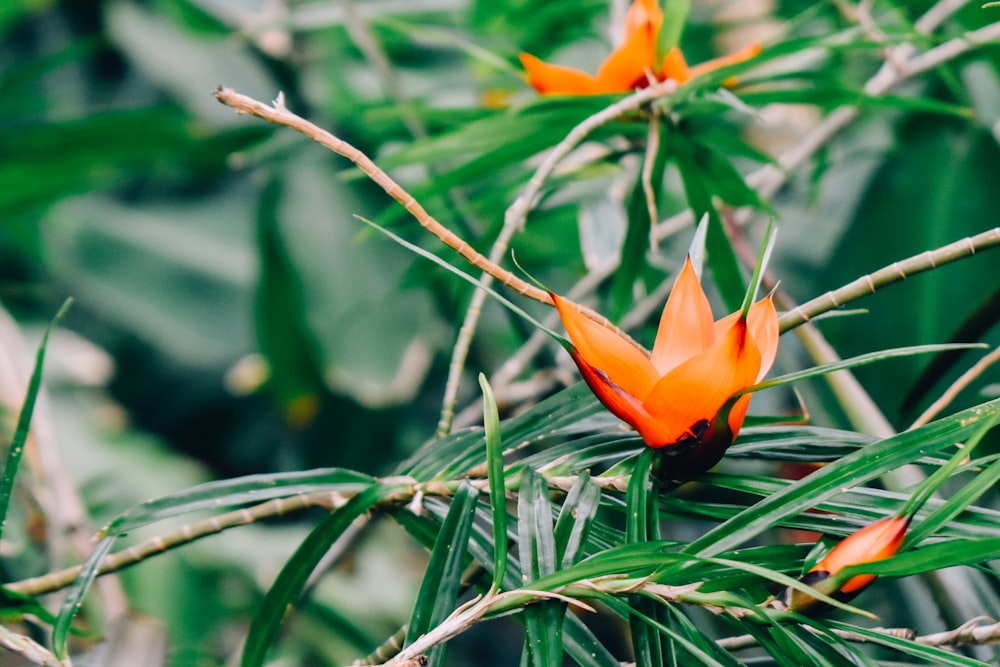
636, 244
963, 497
296, 571
675, 15
443, 577
75, 593
934, 482
854, 362
283, 333
498, 489
722, 258
642, 524
932, 654
237, 491
853, 469
770, 236
23, 428
543, 620
576, 519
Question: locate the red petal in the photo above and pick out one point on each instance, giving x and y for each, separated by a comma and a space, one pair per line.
556, 79
872, 543
697, 389
623, 405
686, 323
616, 357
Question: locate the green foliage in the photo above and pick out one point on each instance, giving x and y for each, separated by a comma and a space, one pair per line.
257, 351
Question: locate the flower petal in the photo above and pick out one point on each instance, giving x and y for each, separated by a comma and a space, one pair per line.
616, 357
622, 404
746, 53
675, 66
762, 322
556, 79
686, 323
627, 66
872, 543
697, 389
643, 14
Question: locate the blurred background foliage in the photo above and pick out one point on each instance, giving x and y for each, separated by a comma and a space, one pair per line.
233, 316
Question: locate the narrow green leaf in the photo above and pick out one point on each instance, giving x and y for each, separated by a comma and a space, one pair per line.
854, 362
722, 258
538, 559
698, 637
636, 243
675, 15
238, 491
642, 525
443, 577
507, 303
575, 519
656, 627
23, 427
955, 505
498, 490
932, 483
74, 596
763, 257
854, 469
584, 647
931, 654
293, 576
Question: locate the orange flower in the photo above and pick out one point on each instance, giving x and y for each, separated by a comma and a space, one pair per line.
672, 398
871, 544
632, 65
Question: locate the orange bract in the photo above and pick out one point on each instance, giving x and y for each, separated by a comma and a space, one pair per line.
633, 64
674, 396
872, 543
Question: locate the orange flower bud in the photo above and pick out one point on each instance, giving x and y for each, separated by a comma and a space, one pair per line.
871, 544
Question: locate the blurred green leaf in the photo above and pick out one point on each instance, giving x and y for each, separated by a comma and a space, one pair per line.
15, 450
177, 276
293, 576
351, 292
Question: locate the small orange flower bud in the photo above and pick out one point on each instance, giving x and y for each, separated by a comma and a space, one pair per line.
871, 544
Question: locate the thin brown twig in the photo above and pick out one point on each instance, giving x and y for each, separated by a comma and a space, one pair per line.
956, 387
275, 507
970, 633
278, 114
